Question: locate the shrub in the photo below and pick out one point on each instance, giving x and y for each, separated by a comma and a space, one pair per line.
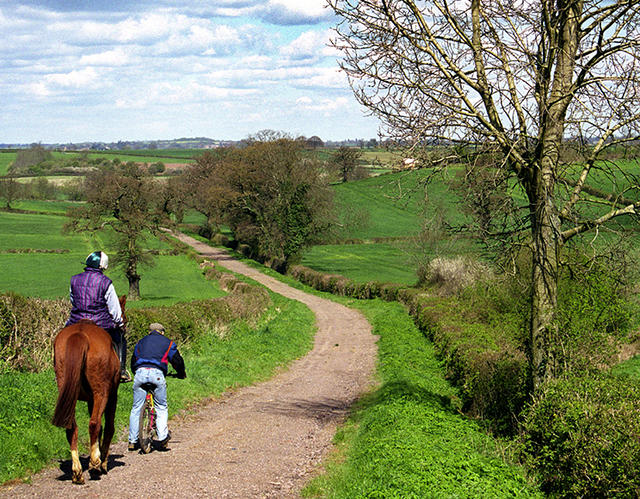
582, 435
29, 325
220, 239
452, 275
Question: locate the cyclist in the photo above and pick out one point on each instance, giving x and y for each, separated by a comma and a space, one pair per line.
149, 362
93, 297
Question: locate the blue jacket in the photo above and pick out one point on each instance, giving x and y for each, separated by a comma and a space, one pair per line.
156, 350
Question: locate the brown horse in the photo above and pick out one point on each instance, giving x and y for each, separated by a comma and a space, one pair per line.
87, 368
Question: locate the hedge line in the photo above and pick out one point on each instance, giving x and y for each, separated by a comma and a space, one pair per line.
29, 325
580, 435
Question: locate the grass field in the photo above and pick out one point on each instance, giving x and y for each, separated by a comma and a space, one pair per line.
393, 205
142, 156
382, 262
407, 437
6, 158
172, 279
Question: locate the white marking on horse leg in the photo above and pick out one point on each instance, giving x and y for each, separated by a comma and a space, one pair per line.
76, 468
94, 462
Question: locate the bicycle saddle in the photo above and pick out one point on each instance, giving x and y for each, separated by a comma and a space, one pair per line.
149, 387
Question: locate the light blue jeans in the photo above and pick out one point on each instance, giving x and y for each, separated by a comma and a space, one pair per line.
155, 376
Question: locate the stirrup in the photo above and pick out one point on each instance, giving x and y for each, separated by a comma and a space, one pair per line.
125, 377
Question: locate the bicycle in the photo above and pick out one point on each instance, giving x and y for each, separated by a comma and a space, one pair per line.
147, 430
147, 425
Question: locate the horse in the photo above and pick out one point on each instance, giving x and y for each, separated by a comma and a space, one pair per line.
87, 368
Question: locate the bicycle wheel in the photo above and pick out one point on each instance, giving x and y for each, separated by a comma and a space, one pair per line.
147, 431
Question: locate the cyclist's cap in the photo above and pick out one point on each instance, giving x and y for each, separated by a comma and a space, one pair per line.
156, 326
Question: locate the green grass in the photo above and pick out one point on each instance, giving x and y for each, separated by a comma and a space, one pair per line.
6, 158
143, 156
57, 207
629, 368
407, 439
246, 355
386, 206
172, 279
363, 262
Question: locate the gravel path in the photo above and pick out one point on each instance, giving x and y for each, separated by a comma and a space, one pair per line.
261, 441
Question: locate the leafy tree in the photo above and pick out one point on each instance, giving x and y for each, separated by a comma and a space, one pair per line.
522, 80
273, 197
346, 161
132, 204
204, 189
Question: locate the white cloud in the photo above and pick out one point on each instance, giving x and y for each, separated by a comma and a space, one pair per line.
309, 45
77, 78
38, 89
115, 57
292, 12
89, 66
325, 106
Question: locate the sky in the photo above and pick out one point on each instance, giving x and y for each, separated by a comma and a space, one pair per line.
109, 70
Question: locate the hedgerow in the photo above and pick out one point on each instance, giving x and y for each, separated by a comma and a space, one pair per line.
581, 434
29, 325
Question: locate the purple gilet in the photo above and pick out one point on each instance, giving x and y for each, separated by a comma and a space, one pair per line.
88, 298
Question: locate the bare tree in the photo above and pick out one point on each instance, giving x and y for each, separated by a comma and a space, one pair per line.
346, 160
521, 77
10, 190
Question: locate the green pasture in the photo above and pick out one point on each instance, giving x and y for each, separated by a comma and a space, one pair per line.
143, 156
393, 205
172, 279
58, 207
246, 355
381, 262
6, 158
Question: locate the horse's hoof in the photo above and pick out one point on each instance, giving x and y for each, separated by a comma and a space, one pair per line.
95, 466
77, 479
103, 468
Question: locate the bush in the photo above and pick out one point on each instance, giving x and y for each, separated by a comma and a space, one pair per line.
452, 275
582, 435
29, 325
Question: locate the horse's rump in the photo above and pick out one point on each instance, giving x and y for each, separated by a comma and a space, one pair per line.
70, 356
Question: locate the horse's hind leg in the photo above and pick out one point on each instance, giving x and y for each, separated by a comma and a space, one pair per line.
76, 466
109, 428
95, 425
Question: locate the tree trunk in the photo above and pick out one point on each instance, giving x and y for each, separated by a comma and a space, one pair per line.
544, 291
546, 238
134, 287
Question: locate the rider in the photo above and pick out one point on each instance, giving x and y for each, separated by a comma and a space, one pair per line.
149, 362
93, 297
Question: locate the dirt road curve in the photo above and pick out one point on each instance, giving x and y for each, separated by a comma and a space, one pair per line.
262, 441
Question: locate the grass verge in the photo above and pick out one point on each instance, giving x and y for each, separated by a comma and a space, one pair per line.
243, 356
407, 439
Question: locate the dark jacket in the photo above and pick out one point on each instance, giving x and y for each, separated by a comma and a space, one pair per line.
156, 350
88, 291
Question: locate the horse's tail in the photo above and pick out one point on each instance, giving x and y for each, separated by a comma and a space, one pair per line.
74, 359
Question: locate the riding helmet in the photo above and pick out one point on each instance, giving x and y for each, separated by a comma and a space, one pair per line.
97, 260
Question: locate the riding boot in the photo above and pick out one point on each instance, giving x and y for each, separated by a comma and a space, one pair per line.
125, 377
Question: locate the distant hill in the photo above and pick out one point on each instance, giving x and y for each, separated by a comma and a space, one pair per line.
182, 143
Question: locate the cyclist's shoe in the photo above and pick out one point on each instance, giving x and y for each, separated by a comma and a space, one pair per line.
162, 444
133, 446
125, 377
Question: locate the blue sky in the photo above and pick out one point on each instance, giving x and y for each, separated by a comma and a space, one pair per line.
108, 70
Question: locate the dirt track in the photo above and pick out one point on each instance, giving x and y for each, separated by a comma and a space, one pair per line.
261, 441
